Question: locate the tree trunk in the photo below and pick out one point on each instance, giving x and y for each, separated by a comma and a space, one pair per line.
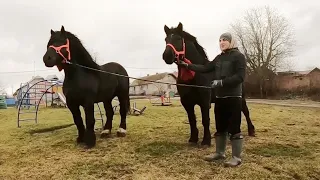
261, 88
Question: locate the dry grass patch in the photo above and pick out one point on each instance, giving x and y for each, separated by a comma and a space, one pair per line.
287, 146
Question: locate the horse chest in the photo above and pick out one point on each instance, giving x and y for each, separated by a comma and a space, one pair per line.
80, 88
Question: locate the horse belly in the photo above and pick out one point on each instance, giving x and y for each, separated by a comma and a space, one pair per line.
105, 93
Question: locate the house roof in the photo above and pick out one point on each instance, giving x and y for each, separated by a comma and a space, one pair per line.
52, 78
298, 72
154, 77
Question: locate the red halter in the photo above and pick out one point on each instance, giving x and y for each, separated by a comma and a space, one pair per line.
58, 51
178, 53
185, 74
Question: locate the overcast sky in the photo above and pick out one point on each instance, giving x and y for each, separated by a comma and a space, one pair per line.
131, 33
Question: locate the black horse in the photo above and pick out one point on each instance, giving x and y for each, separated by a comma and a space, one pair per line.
182, 46
84, 86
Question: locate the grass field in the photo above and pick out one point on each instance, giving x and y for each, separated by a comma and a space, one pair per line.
287, 146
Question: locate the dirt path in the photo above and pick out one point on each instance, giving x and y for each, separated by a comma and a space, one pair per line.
293, 103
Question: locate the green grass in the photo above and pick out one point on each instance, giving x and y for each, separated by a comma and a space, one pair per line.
287, 146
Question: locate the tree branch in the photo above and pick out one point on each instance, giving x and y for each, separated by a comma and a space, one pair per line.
265, 37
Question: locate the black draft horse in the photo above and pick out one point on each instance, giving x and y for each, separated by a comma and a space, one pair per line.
183, 46
85, 87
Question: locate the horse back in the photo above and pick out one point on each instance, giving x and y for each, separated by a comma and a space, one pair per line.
115, 74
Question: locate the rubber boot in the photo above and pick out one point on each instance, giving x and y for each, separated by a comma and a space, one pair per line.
221, 143
236, 144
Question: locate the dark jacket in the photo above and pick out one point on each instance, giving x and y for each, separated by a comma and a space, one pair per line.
230, 67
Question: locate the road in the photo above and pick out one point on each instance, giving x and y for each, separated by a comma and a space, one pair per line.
292, 103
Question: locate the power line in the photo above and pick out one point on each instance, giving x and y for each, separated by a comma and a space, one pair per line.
17, 72
41, 70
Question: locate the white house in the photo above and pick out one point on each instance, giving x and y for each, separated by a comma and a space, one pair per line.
140, 87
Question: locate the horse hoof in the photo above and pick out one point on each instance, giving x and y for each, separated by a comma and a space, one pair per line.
80, 140
89, 146
192, 144
204, 146
251, 132
105, 133
193, 140
90, 140
205, 143
121, 132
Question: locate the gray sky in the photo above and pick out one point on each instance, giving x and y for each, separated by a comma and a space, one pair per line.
131, 32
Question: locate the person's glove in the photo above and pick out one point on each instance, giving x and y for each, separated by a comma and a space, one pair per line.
216, 83
182, 64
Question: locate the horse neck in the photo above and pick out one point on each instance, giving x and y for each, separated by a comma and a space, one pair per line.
193, 55
79, 56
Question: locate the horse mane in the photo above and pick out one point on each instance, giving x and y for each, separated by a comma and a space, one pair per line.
201, 50
76, 42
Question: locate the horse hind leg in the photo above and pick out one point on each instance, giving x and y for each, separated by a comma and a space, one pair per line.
124, 108
245, 110
106, 132
205, 112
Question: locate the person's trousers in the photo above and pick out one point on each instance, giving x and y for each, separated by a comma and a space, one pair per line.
228, 115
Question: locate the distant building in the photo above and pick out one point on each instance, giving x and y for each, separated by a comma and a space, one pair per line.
140, 87
284, 83
298, 80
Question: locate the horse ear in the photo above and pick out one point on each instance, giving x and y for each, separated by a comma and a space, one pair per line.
62, 29
166, 29
52, 32
180, 27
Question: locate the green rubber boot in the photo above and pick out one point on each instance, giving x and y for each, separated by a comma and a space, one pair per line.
221, 143
236, 144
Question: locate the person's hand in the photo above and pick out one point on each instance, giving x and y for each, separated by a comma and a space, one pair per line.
216, 83
182, 64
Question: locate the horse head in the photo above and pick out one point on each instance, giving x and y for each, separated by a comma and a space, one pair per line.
181, 45
58, 49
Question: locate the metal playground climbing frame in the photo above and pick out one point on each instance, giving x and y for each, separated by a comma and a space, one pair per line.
31, 95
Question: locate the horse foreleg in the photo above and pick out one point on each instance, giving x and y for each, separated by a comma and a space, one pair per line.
75, 110
192, 122
90, 136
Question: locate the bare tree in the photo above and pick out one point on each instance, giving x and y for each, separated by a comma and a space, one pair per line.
2, 89
266, 39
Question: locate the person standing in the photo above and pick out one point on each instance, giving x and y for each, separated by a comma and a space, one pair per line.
229, 68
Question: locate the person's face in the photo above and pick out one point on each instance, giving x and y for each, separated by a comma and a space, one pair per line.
224, 44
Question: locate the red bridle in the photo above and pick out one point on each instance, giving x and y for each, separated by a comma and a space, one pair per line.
178, 53
185, 74
58, 51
